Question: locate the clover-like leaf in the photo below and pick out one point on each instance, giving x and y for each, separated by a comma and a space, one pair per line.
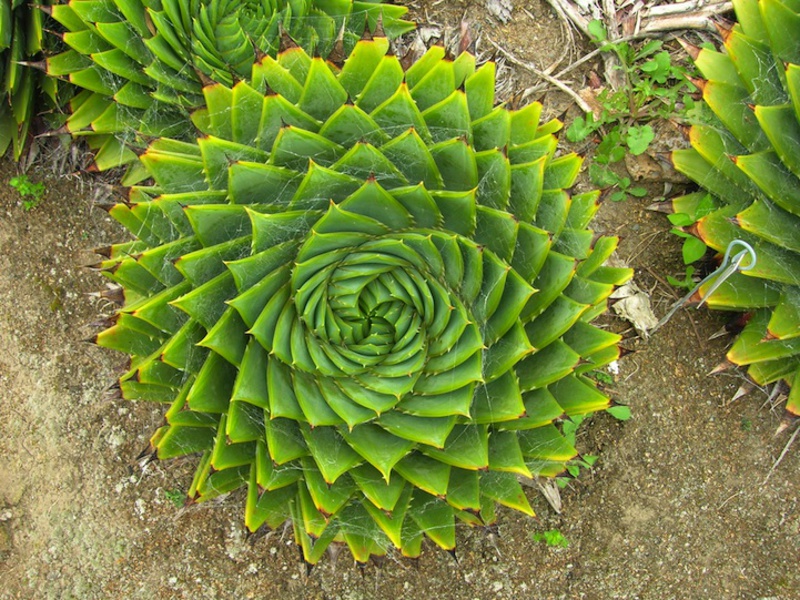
638, 138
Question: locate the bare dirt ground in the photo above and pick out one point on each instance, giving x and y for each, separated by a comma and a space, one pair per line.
676, 507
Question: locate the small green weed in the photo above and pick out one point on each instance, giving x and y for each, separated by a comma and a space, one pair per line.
620, 412
177, 497
601, 377
605, 177
654, 88
26, 189
693, 249
553, 538
687, 282
575, 466
747, 424
569, 427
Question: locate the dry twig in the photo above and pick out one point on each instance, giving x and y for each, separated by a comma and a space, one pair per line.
783, 454
550, 79
692, 14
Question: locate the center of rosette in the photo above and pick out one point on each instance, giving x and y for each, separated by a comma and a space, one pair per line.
368, 309
373, 316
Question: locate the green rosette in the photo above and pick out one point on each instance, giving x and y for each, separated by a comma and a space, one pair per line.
367, 297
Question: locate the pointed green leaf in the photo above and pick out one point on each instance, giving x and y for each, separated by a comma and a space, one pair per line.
328, 498
322, 94
498, 401
505, 489
546, 366
426, 473
284, 440
436, 518
378, 447
384, 495
545, 442
467, 447
332, 454
455, 160
426, 430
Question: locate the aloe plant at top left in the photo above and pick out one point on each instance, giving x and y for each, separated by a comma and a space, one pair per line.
20, 41
142, 64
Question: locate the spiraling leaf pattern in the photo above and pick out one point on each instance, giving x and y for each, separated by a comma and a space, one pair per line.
747, 158
366, 296
142, 64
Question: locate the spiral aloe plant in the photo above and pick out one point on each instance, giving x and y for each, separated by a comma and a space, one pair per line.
20, 41
366, 296
143, 63
747, 159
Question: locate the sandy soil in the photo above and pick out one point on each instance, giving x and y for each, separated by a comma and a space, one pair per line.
676, 507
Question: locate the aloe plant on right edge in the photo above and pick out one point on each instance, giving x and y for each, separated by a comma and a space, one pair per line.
748, 160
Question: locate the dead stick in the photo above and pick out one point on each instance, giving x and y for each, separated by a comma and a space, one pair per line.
567, 11
681, 8
699, 20
652, 21
550, 79
783, 454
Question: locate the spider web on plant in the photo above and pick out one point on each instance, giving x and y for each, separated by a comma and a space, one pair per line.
357, 174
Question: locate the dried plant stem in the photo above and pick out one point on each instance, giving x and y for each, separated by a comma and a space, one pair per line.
700, 20
548, 78
647, 22
690, 7
693, 14
566, 10
783, 454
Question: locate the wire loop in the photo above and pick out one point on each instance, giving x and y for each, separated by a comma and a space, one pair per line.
727, 267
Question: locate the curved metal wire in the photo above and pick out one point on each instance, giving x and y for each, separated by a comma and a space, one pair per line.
727, 267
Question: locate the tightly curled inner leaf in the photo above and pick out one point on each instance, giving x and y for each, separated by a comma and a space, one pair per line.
367, 300
747, 158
